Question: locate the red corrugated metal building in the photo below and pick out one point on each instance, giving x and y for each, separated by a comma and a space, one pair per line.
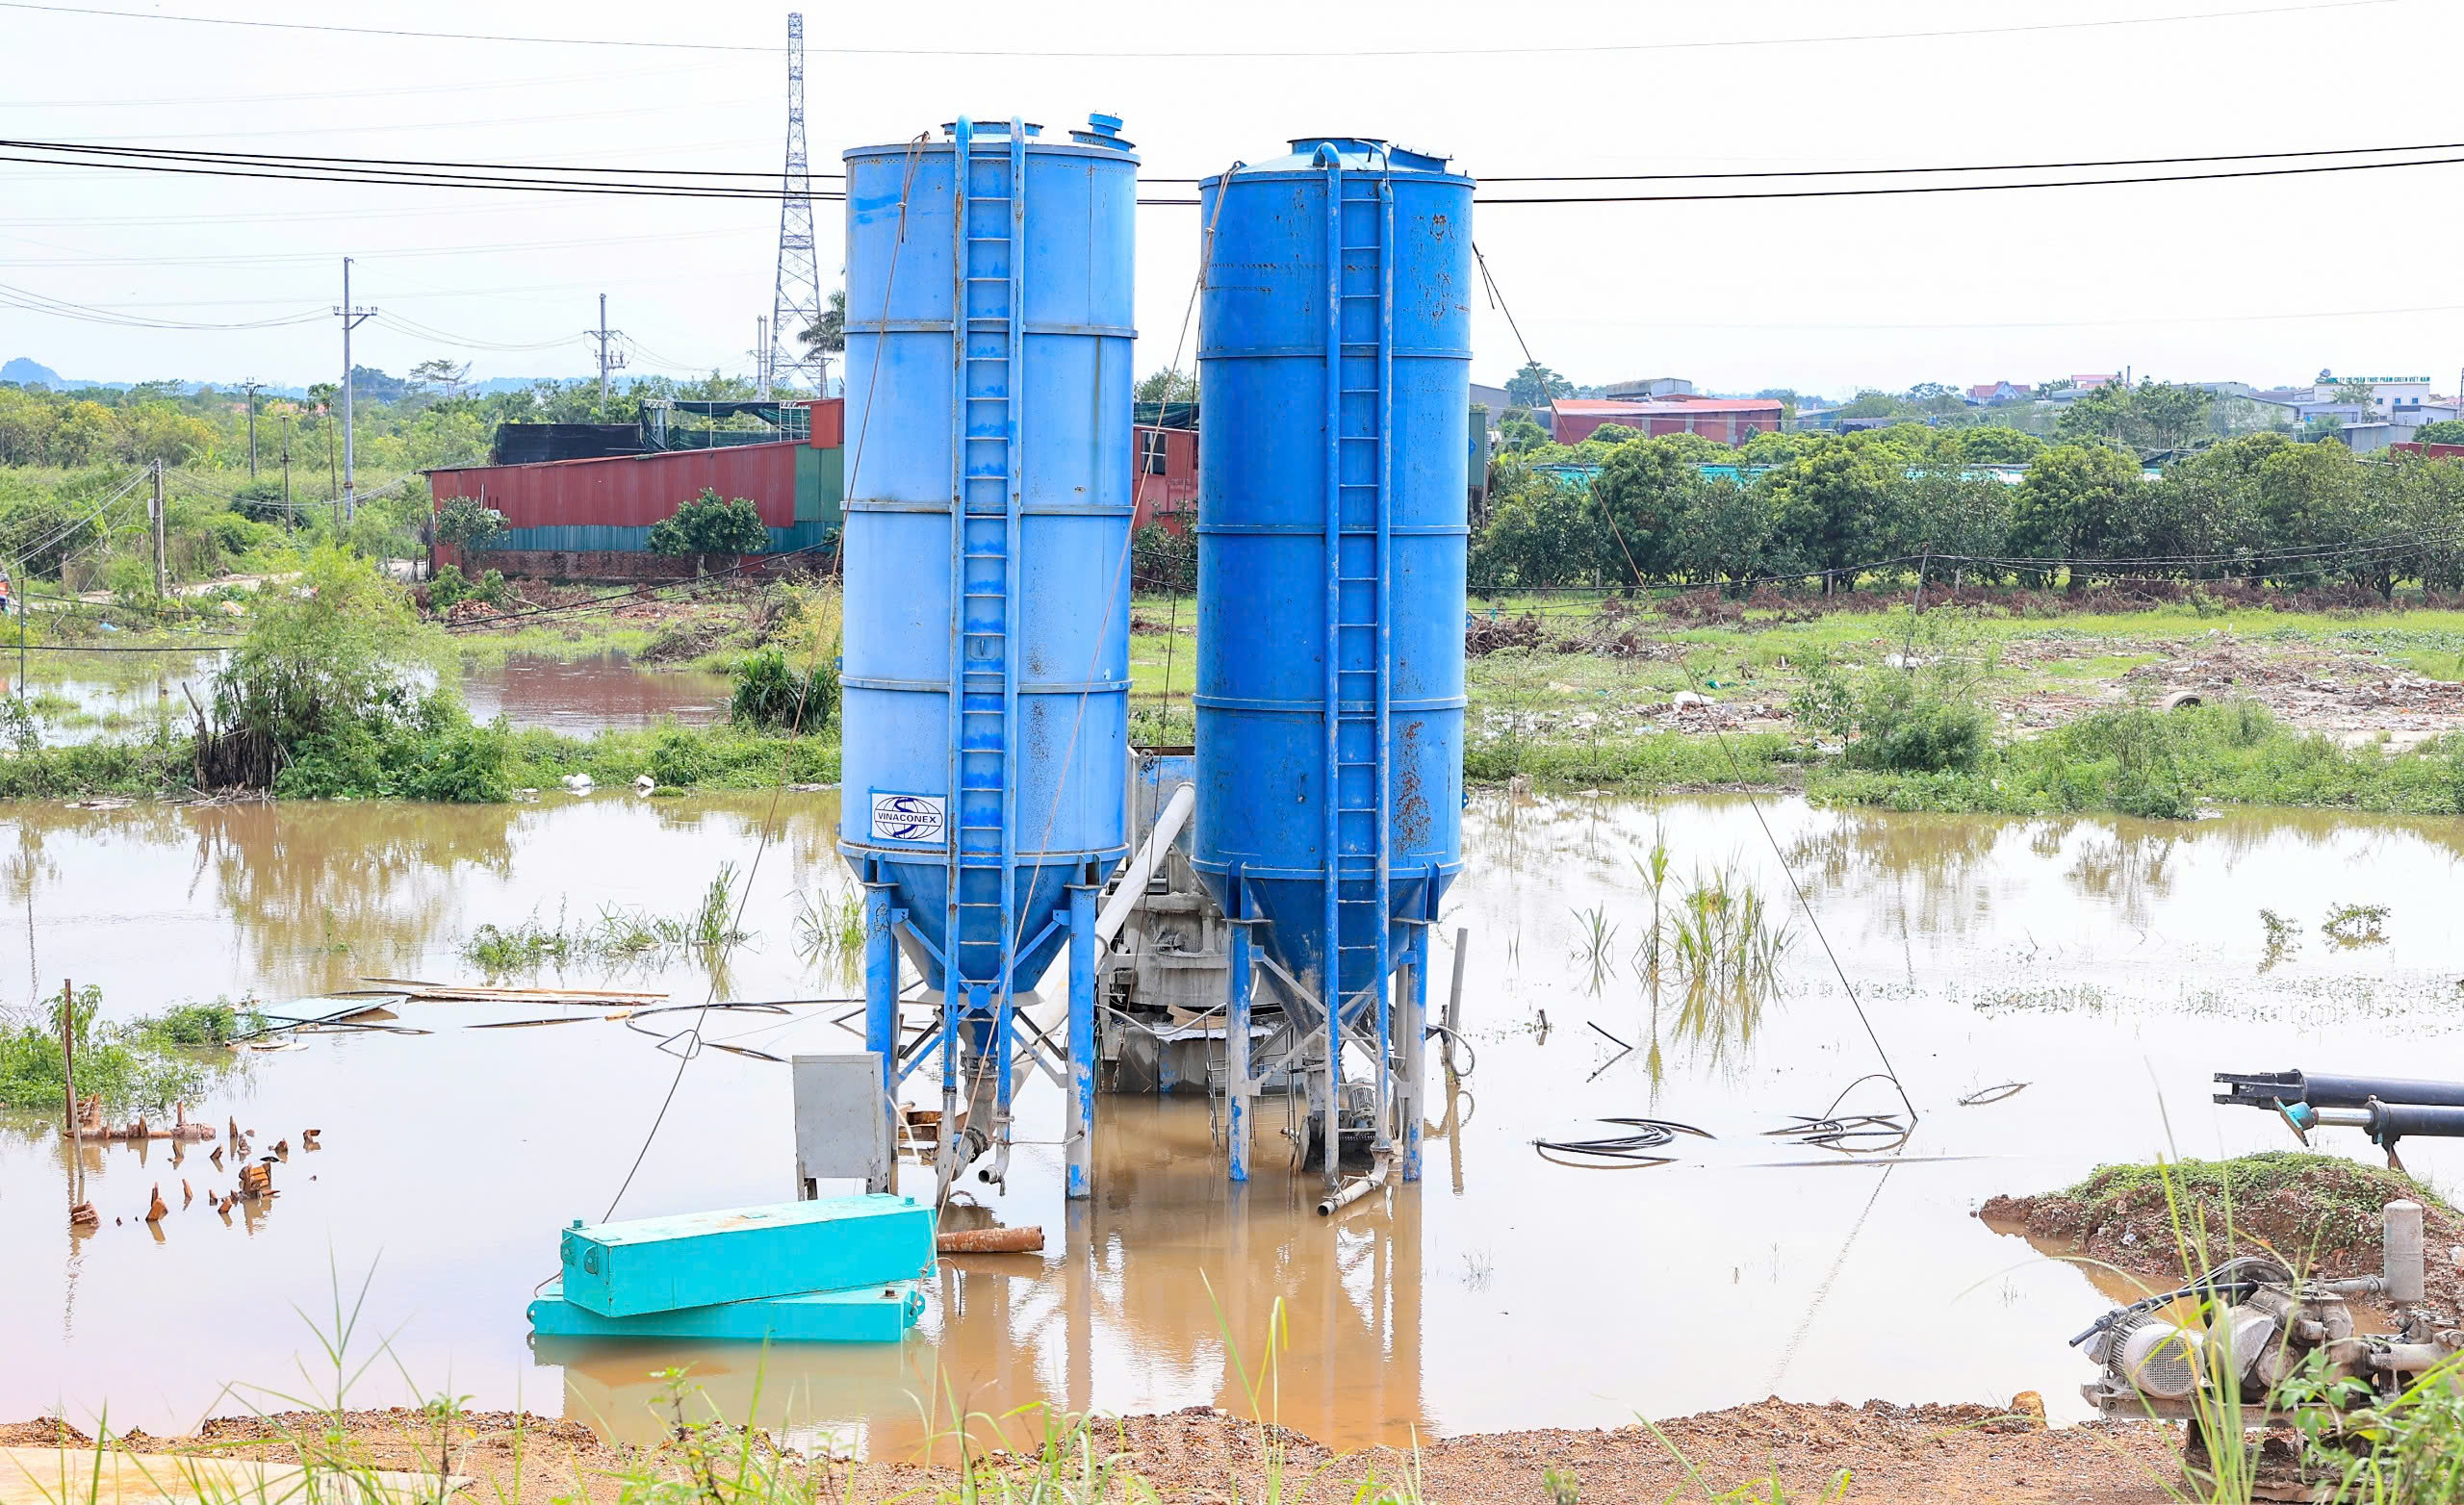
593, 516
1730, 420
1166, 488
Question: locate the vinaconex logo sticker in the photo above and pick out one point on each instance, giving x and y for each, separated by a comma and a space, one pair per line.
906, 817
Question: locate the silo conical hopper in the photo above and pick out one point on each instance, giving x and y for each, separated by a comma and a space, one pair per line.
986, 656
1334, 339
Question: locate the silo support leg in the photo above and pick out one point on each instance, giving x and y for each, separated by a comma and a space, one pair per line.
881, 1001
1236, 1052
1410, 1047
1082, 1040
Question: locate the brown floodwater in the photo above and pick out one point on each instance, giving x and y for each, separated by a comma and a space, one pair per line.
2110, 965
91, 696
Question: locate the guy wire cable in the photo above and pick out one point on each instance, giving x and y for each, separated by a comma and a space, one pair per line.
777, 792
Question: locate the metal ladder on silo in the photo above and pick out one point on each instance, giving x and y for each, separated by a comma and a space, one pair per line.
990, 272
1359, 620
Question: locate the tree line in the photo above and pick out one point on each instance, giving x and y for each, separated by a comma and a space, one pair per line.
1620, 510
419, 422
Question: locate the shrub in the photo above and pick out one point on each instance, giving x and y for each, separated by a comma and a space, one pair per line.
706, 525
770, 693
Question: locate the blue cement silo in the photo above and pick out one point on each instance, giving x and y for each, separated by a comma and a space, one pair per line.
1334, 360
987, 654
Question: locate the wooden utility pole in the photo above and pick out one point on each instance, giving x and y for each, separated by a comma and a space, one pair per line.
68, 1048
287, 513
161, 584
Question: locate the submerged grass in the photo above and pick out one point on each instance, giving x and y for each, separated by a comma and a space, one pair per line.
619, 934
143, 1065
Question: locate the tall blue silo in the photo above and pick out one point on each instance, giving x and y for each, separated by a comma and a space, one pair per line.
1334, 353
987, 654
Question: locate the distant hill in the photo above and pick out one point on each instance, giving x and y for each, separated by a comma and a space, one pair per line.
26, 371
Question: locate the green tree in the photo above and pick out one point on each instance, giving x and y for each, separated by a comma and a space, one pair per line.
2075, 504
466, 524
2445, 431
1168, 384
2153, 415
152, 431
1536, 385
828, 334
1522, 434
1642, 489
1996, 443
1539, 533
441, 374
342, 647
1829, 508
2311, 497
84, 434
706, 525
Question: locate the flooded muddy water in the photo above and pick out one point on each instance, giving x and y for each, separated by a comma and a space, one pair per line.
90, 696
2109, 965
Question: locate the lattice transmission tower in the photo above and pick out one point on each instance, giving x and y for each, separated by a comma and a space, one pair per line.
797, 306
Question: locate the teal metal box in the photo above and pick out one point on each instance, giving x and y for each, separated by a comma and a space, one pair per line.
702, 1259
868, 1315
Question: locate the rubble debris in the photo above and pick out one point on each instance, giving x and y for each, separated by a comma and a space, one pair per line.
282, 1148
158, 1211
256, 1180
186, 1195
308, 1139
84, 1216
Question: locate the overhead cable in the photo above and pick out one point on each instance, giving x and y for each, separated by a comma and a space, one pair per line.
1222, 53
691, 183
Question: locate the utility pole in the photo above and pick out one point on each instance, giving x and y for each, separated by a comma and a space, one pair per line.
353, 317
609, 357
761, 356
251, 385
161, 584
289, 518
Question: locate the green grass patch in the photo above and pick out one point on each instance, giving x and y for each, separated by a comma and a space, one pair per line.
2171, 765
143, 1065
2332, 1201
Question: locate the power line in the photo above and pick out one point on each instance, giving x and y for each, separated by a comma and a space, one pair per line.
528, 179
43, 303
454, 168
1218, 55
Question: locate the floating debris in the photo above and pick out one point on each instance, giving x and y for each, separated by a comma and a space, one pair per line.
1983, 1096
256, 1180
473, 993
158, 1211
186, 1195
1610, 1152
308, 1139
989, 1240
84, 1216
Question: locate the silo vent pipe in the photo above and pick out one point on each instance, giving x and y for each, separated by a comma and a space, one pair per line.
1133, 879
1358, 1187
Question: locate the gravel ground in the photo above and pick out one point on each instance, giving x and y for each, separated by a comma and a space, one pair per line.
1894, 1455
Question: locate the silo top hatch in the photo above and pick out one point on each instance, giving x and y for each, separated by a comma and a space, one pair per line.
1354, 153
1100, 137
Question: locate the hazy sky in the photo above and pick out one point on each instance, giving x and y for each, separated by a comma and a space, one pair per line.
2263, 280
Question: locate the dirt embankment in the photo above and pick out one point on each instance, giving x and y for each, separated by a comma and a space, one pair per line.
2317, 1213
1894, 1455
